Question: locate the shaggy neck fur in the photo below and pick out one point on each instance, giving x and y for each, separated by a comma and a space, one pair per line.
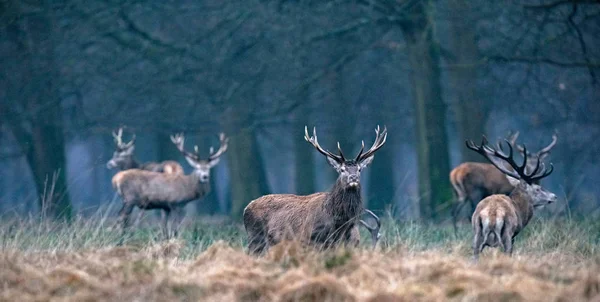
344, 204
523, 204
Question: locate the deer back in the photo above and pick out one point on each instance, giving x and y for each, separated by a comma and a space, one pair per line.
144, 186
288, 216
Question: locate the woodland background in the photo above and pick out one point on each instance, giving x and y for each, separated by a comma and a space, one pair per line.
434, 72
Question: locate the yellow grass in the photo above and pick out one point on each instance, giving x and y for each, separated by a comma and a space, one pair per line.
291, 273
553, 261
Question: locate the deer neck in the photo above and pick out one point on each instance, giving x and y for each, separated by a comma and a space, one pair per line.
344, 204
132, 163
523, 204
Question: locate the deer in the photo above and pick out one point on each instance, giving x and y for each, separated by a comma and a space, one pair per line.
472, 182
324, 219
123, 158
499, 218
149, 190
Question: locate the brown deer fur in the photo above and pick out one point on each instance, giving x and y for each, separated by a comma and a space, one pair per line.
472, 182
323, 219
169, 192
498, 218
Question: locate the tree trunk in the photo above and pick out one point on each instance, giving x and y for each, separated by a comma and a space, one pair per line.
39, 130
469, 107
246, 168
430, 110
305, 164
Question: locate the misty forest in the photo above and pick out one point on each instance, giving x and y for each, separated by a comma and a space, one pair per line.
93, 92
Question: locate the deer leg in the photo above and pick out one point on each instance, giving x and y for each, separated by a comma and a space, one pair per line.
508, 243
139, 217
165, 222
478, 243
176, 223
124, 215
456, 208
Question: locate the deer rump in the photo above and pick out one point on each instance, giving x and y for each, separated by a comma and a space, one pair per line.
273, 218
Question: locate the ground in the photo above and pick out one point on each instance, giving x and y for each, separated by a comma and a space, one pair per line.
555, 260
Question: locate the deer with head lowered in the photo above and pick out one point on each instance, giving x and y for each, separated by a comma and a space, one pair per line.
167, 192
498, 219
472, 182
322, 219
123, 158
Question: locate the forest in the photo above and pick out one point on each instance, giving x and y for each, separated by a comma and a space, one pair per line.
433, 73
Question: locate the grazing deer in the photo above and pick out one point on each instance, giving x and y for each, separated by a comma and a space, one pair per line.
499, 218
168, 192
324, 219
472, 182
123, 158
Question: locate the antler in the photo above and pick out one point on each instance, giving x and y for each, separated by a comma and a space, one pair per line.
380, 138
374, 230
492, 155
179, 141
224, 141
550, 146
313, 140
118, 136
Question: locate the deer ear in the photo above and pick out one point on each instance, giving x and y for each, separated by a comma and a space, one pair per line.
367, 161
334, 163
513, 181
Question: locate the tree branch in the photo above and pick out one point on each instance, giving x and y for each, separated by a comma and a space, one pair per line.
536, 60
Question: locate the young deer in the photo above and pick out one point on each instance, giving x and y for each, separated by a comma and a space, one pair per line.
123, 158
499, 218
472, 182
168, 192
324, 219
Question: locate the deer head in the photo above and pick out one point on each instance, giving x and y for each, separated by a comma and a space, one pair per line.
123, 151
349, 169
201, 166
519, 178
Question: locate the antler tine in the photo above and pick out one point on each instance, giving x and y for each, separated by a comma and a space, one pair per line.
179, 141
490, 153
223, 144
117, 136
545, 173
380, 139
340, 150
131, 142
314, 141
550, 146
362, 148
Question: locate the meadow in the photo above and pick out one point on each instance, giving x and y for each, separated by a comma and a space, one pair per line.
554, 260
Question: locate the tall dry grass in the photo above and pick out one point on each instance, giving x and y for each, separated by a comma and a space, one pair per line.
554, 260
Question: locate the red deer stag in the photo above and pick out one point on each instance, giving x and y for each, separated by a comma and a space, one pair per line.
168, 192
123, 158
499, 218
472, 182
323, 219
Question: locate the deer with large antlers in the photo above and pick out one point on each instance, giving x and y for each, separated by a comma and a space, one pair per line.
498, 218
167, 192
472, 182
322, 219
123, 158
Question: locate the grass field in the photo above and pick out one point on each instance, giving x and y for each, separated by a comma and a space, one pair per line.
554, 260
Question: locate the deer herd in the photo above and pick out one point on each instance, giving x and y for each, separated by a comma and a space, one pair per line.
502, 194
